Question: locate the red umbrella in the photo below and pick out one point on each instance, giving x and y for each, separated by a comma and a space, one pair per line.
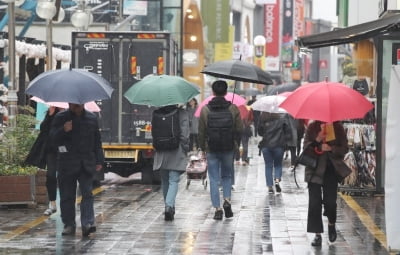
327, 102
232, 97
246, 112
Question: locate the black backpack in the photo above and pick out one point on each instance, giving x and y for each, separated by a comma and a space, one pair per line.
220, 135
165, 129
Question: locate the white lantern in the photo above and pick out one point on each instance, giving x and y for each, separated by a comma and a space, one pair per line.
80, 19
46, 10
61, 16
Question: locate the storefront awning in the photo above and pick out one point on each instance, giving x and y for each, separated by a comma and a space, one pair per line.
350, 34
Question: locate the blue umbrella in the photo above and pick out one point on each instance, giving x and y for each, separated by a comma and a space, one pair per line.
76, 86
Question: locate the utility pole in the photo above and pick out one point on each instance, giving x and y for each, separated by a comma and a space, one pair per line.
12, 85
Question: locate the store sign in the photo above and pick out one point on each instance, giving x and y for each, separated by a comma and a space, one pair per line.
298, 18
215, 15
241, 50
190, 57
271, 29
134, 7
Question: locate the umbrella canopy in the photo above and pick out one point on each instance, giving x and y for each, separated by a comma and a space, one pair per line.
239, 71
161, 90
76, 86
278, 89
245, 112
232, 97
327, 102
269, 104
90, 106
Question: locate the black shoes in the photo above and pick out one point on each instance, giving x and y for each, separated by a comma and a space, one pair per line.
332, 233
169, 213
317, 241
86, 230
228, 209
278, 187
68, 231
218, 214
270, 190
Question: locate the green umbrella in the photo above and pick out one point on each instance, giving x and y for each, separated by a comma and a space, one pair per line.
161, 90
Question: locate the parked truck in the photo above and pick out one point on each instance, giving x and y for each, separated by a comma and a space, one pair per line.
123, 58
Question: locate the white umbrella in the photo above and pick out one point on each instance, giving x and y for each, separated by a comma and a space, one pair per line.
269, 104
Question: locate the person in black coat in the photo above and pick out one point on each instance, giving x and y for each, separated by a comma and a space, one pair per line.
43, 155
76, 134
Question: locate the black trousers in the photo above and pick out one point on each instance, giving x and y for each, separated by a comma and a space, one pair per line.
51, 176
322, 195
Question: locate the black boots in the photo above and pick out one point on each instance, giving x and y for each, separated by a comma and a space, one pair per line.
332, 233
169, 213
317, 241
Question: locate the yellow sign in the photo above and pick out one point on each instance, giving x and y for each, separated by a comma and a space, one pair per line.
224, 51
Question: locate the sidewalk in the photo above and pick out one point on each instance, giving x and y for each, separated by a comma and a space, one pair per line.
130, 220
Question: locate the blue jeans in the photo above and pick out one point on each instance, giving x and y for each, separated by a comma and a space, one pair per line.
273, 158
220, 168
169, 183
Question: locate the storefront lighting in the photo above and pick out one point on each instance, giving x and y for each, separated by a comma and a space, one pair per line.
193, 38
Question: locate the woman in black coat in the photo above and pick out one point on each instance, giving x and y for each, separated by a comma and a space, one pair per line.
43, 155
323, 180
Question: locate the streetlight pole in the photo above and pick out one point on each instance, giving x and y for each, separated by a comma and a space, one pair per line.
12, 86
49, 43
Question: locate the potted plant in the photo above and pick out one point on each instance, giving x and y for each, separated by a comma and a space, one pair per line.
17, 181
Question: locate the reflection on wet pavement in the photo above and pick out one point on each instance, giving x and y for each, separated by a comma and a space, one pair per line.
130, 220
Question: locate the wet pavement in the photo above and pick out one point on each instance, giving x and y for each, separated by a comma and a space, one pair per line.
130, 220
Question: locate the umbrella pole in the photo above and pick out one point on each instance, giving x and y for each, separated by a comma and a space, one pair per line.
234, 88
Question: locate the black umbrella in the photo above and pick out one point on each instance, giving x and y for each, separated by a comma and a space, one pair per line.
239, 71
76, 86
277, 89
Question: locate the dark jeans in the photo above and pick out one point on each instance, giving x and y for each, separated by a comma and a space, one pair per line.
245, 145
51, 176
319, 195
67, 185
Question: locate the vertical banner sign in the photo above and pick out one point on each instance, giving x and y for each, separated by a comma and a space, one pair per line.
287, 31
298, 18
215, 15
224, 51
392, 173
271, 29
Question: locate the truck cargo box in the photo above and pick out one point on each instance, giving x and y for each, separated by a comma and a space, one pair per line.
123, 58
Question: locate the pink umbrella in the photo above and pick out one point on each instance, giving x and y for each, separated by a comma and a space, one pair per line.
90, 106
232, 97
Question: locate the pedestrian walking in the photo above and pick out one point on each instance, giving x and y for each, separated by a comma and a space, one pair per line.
276, 134
43, 154
256, 115
193, 124
76, 135
220, 127
330, 148
292, 143
242, 153
170, 161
